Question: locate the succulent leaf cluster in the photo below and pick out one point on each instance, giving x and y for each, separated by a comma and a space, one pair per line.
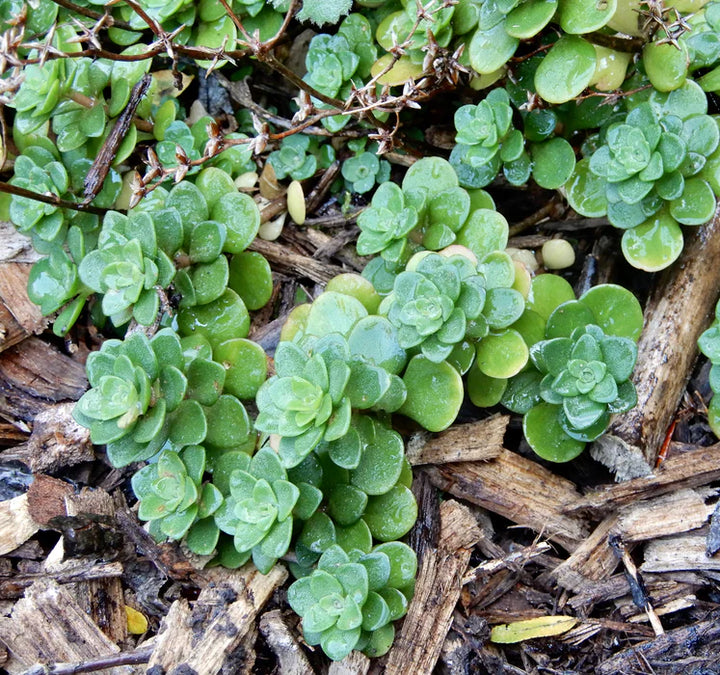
709, 345
364, 169
588, 375
258, 511
173, 498
444, 299
428, 212
127, 267
351, 599
299, 157
579, 374
145, 392
432, 305
487, 140
336, 63
312, 394
649, 174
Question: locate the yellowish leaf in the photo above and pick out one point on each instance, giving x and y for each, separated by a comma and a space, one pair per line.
136, 622
542, 626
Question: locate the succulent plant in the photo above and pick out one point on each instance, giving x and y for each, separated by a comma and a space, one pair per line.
487, 140
258, 511
580, 373
432, 304
709, 345
362, 171
351, 596
297, 157
649, 177
441, 300
143, 393
40, 171
335, 63
172, 497
311, 397
386, 224
126, 268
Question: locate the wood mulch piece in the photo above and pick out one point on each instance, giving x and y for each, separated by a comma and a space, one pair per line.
501, 535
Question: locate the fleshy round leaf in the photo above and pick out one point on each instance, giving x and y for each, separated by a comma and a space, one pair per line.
502, 355
566, 69
434, 408
240, 215
553, 163
616, 310
546, 437
653, 245
391, 515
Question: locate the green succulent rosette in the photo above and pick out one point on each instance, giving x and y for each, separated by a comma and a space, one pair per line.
306, 401
444, 299
311, 397
576, 384
386, 224
654, 172
38, 170
260, 506
351, 599
143, 392
126, 267
294, 158
709, 345
486, 139
173, 498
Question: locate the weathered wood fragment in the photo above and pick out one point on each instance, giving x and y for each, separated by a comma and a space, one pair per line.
46, 498
102, 598
592, 561
33, 375
672, 554
286, 260
16, 523
617, 586
14, 246
201, 638
48, 626
518, 489
688, 469
57, 440
666, 596
687, 645
166, 557
19, 317
356, 663
515, 559
678, 310
439, 583
291, 658
461, 443
669, 514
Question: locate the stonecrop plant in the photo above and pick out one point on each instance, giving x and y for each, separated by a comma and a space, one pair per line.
709, 345
148, 146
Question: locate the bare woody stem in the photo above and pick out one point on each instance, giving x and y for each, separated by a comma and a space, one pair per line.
139, 656
54, 200
92, 14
